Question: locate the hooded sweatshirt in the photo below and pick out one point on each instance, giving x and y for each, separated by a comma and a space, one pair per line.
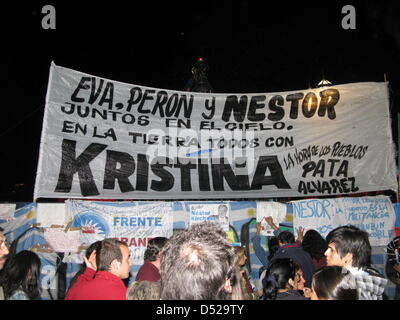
371, 283
303, 258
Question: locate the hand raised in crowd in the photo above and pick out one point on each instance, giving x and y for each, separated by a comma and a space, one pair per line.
258, 228
300, 234
270, 221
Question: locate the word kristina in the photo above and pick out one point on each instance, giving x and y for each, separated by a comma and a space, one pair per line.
120, 166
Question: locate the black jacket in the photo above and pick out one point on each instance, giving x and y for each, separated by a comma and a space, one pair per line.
295, 251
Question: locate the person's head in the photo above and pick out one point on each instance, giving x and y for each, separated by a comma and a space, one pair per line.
199, 264
143, 290
299, 280
23, 271
3, 248
114, 257
90, 254
154, 247
280, 276
285, 237
273, 246
92, 250
348, 246
241, 255
314, 244
333, 283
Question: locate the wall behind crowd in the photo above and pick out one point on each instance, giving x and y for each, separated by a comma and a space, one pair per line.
59, 267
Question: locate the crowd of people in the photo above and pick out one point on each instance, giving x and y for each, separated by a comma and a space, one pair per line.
200, 264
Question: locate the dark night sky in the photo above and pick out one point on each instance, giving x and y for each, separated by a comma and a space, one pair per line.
250, 49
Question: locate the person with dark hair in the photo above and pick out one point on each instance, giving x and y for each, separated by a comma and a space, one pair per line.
144, 290
313, 243
299, 280
20, 277
348, 246
393, 264
199, 81
291, 249
199, 264
113, 264
333, 283
273, 246
88, 273
279, 282
150, 270
285, 237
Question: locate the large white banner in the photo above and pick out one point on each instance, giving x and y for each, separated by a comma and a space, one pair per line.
110, 140
373, 214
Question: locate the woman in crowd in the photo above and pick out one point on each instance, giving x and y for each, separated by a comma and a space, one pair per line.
20, 277
299, 280
280, 282
333, 283
273, 246
246, 286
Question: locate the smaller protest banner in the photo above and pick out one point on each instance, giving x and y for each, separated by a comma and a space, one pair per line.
266, 209
7, 211
61, 241
372, 214
210, 212
49, 214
